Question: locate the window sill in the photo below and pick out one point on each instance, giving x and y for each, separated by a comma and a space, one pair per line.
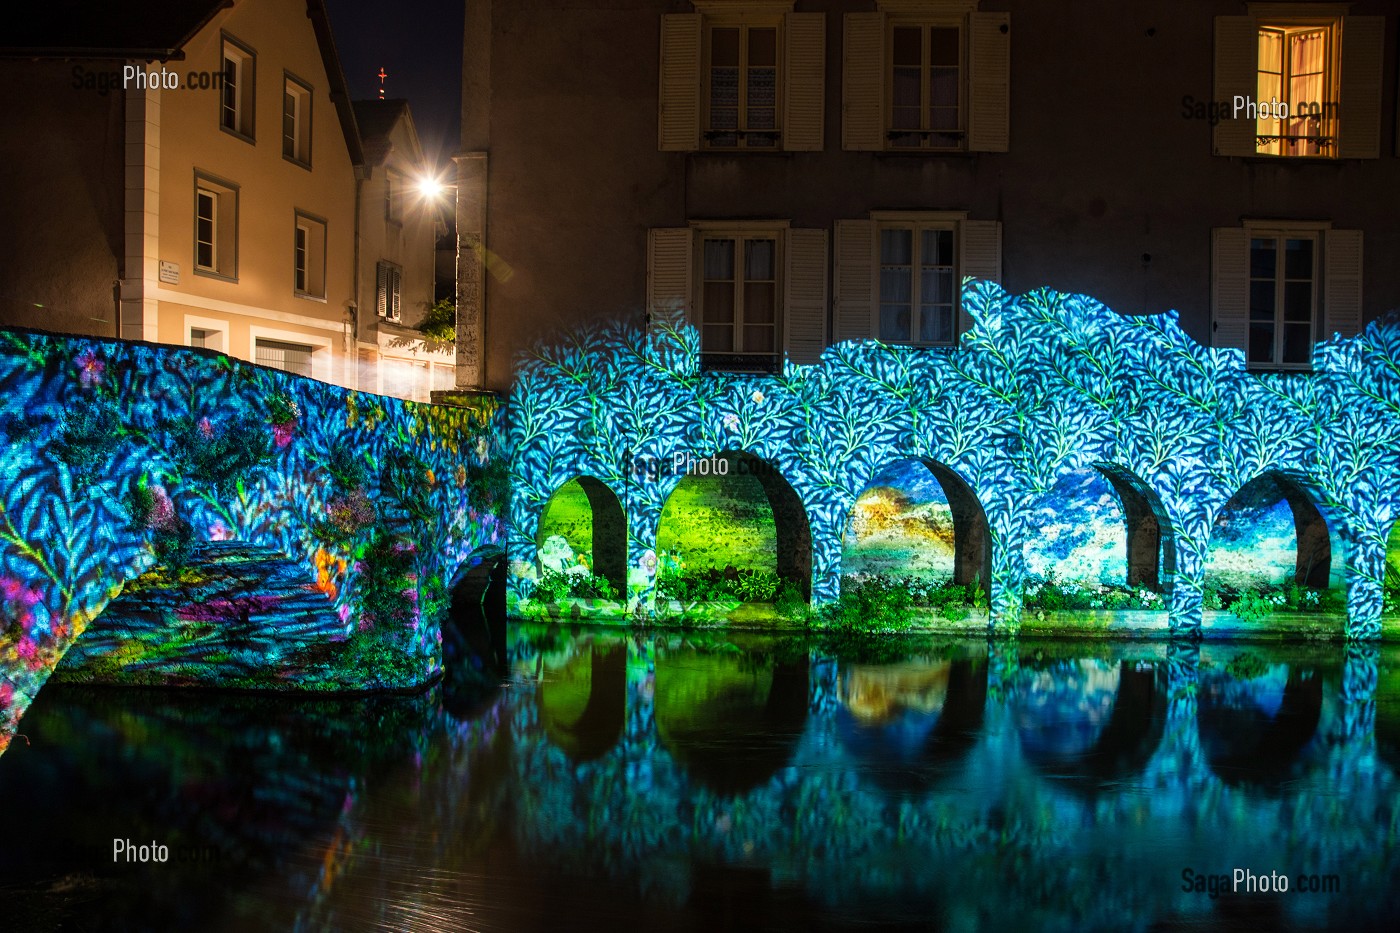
310, 297
237, 135
213, 274
740, 364
296, 162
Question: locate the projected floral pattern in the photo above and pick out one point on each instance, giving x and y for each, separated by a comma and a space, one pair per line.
117, 457
1044, 386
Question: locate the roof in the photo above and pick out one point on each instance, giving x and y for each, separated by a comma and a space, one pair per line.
126, 29
376, 120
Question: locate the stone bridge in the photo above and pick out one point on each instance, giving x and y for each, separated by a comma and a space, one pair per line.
256, 528
1044, 389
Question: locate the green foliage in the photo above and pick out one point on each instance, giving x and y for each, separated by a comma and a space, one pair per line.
555, 585
387, 586
488, 483
756, 586
1050, 594
790, 603
282, 408
1257, 603
1251, 606
216, 458
89, 433
379, 655
405, 485
346, 463
873, 603
439, 325
1246, 666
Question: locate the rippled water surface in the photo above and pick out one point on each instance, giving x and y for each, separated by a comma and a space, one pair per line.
646, 780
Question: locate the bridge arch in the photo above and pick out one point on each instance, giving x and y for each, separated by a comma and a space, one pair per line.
763, 520
589, 519
583, 699
1272, 532
921, 514
1117, 530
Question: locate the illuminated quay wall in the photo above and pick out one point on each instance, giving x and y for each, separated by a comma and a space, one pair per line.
121, 457
1046, 390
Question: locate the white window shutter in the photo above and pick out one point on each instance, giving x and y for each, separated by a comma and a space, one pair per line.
1236, 73
1229, 288
855, 279
863, 82
1359, 111
669, 270
804, 331
678, 114
989, 84
804, 81
1342, 286
980, 249
381, 291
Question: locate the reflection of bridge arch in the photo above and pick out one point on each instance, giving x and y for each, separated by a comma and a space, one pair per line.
1253, 731
915, 720
588, 514
1388, 730
731, 722
583, 703
972, 556
1094, 723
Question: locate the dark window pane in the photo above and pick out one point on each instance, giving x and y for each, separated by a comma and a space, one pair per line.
1297, 302
1261, 300
936, 324
763, 47
1297, 343
759, 304
1262, 258
1298, 259
724, 46
896, 247
906, 104
894, 322
1261, 343
936, 247
718, 301
907, 47
717, 339
936, 287
943, 46
758, 339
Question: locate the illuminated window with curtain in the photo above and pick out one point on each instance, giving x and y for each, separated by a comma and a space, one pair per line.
741, 91
918, 284
739, 299
1296, 69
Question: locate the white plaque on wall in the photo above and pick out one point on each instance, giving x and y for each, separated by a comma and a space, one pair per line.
170, 272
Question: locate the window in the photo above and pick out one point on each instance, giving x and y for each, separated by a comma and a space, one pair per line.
926, 75
236, 101
288, 357
296, 121
199, 337
215, 227
742, 76
1299, 80
926, 85
918, 284
742, 86
393, 196
387, 291
1282, 298
739, 296
899, 275
1277, 288
309, 257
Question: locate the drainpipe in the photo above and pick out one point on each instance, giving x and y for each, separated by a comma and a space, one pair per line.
355, 315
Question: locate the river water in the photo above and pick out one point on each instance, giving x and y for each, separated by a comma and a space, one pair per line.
649, 780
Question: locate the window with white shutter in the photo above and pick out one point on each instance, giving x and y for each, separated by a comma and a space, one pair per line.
742, 76
1279, 288
388, 289
1299, 80
804, 324
669, 269
926, 76
898, 276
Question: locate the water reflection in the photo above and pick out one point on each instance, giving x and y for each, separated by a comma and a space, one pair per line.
636, 780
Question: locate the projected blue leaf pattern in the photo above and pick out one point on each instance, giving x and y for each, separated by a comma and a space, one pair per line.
1043, 386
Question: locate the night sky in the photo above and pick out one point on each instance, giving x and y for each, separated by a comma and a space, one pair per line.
419, 43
